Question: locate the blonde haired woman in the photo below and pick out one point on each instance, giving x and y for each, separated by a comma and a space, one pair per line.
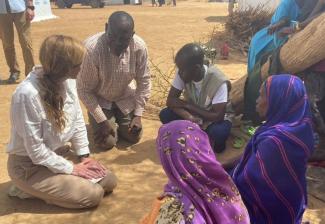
45, 117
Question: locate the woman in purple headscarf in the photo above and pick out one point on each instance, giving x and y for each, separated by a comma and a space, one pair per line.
271, 174
199, 190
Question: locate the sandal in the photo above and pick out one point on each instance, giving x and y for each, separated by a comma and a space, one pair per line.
238, 142
248, 130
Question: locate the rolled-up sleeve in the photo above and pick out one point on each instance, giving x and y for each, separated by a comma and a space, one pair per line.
26, 121
143, 81
87, 83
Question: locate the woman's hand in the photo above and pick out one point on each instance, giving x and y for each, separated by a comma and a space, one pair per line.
95, 165
89, 169
272, 29
277, 26
286, 31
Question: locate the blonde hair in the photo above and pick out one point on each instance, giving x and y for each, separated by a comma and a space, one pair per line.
58, 55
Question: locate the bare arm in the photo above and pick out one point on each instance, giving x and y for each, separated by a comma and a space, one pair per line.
188, 111
277, 26
177, 105
30, 14
173, 99
307, 21
317, 9
314, 14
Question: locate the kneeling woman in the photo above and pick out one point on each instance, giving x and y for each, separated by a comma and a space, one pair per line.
45, 117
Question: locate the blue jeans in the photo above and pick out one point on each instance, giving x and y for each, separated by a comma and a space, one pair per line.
218, 132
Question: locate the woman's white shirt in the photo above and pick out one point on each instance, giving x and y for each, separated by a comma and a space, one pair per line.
33, 135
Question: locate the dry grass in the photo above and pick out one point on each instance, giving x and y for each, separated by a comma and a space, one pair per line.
242, 25
161, 83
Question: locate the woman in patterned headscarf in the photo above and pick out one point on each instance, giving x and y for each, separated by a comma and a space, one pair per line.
199, 190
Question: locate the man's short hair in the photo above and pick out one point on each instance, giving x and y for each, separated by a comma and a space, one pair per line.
121, 17
190, 54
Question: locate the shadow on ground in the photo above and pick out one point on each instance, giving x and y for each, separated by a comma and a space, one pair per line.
34, 206
216, 19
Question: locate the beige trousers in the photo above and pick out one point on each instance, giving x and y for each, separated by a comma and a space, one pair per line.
63, 190
7, 22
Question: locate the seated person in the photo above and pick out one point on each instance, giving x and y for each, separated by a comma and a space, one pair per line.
290, 16
311, 11
45, 116
268, 38
271, 175
205, 96
199, 190
313, 77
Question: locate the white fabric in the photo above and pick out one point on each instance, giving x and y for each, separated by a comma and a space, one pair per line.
43, 10
269, 4
178, 83
34, 136
221, 95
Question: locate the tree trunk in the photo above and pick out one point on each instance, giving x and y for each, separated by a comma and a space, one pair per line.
305, 48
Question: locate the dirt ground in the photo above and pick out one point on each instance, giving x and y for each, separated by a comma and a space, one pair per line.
140, 175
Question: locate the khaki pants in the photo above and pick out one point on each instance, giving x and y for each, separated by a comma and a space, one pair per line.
63, 190
7, 22
120, 124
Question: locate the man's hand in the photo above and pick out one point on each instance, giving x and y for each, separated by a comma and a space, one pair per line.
135, 124
30, 14
104, 130
196, 120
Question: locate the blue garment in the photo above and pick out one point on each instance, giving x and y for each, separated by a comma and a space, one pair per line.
218, 132
271, 175
262, 42
16, 6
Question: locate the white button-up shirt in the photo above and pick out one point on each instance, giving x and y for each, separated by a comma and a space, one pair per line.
33, 135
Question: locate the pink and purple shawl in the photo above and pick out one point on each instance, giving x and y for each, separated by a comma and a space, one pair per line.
271, 174
196, 178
